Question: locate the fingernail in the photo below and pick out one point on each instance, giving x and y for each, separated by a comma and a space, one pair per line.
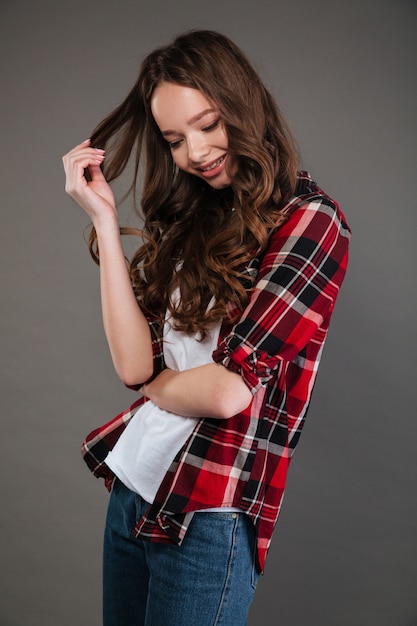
86, 141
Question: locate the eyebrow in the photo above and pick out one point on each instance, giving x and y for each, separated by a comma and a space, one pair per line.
193, 120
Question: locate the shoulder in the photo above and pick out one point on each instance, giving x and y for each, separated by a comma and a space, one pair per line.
314, 232
310, 205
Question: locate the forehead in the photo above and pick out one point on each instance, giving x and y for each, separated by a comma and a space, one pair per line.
176, 103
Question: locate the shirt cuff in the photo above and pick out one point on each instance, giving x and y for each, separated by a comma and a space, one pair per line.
251, 365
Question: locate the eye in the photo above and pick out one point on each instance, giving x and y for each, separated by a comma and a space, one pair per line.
211, 127
174, 144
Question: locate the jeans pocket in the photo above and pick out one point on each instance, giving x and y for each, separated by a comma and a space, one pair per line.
255, 572
252, 547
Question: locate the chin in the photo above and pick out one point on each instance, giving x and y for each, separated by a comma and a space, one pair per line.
221, 183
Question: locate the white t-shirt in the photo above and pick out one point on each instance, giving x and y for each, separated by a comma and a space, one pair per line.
150, 441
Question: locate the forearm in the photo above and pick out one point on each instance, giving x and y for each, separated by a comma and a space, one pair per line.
206, 391
126, 327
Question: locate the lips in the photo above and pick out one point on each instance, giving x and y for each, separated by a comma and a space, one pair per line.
214, 168
213, 165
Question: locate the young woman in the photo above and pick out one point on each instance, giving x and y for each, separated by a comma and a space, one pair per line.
219, 320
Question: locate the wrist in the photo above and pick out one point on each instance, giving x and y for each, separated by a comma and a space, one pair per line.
154, 390
106, 223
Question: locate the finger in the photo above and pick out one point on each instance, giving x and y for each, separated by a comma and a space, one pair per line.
77, 148
83, 144
75, 172
77, 160
81, 150
96, 173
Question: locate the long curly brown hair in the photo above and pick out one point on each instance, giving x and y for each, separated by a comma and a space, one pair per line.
197, 239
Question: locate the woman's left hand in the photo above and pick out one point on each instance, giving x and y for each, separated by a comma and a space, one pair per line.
206, 391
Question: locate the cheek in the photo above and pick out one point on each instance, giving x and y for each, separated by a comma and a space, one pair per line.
231, 166
223, 137
179, 159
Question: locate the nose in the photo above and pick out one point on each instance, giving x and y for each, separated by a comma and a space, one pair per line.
197, 149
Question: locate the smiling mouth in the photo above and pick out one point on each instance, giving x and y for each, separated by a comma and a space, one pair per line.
213, 165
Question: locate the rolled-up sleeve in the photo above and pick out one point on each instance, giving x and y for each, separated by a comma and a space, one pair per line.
289, 310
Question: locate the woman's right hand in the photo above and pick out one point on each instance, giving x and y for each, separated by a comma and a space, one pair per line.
126, 327
96, 196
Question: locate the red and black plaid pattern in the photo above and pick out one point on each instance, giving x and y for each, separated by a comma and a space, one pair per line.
276, 347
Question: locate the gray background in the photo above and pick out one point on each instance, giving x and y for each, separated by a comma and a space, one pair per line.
344, 552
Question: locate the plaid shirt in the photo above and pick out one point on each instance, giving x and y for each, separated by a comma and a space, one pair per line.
276, 347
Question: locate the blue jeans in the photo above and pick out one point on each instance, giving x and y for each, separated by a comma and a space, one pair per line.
209, 580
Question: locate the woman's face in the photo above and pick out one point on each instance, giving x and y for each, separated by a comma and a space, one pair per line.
195, 134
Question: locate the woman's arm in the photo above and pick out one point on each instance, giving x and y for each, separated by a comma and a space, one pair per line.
287, 316
126, 327
207, 391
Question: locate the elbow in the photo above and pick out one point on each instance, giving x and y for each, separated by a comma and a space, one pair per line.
134, 376
130, 381
231, 401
